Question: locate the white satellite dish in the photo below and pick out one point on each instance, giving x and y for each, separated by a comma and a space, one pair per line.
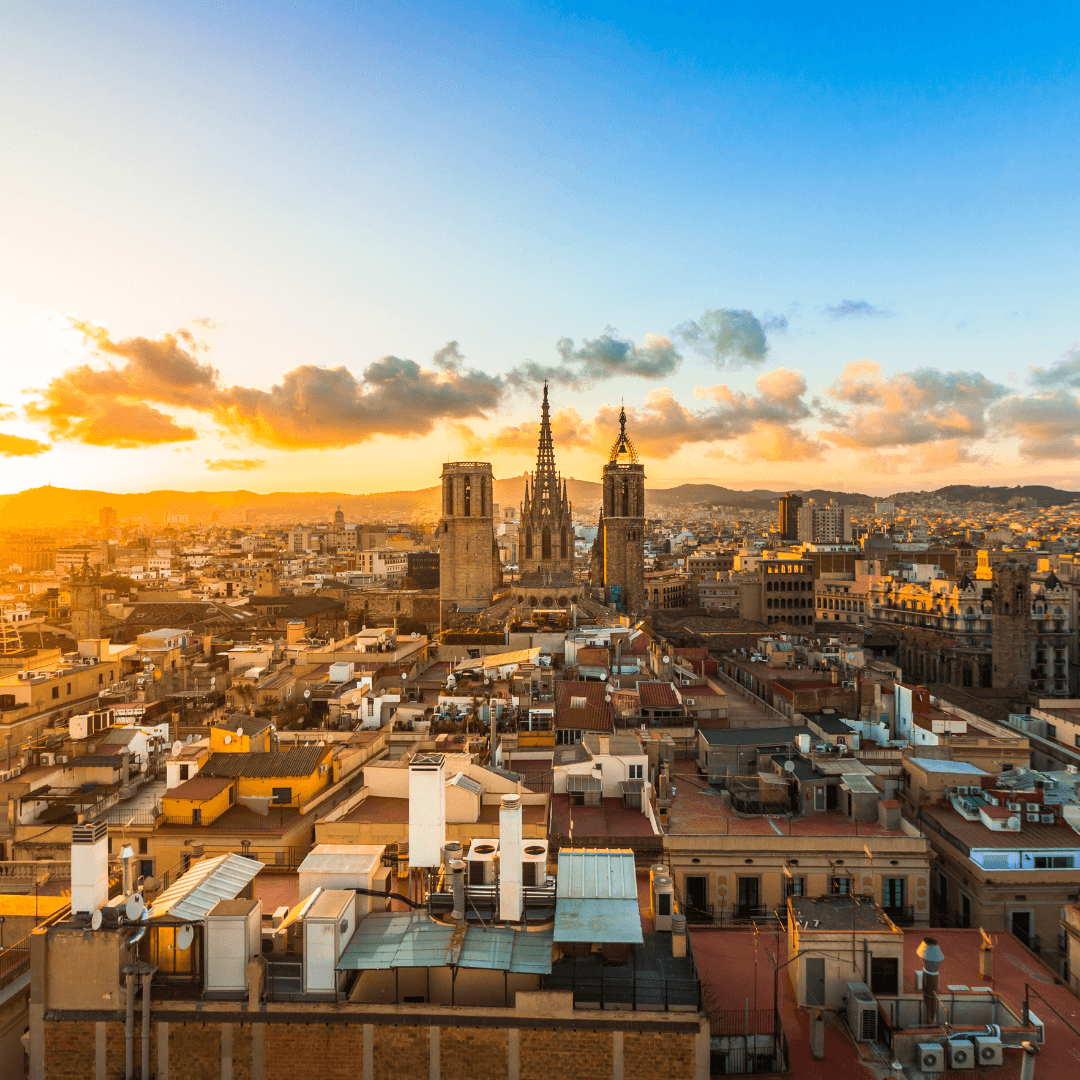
177, 747
134, 907
95, 920
228, 739
190, 739
213, 683
307, 693
185, 936
240, 731
789, 766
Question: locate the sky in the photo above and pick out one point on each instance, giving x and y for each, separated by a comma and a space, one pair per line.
331, 246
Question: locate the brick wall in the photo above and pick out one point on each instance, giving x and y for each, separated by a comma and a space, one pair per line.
194, 1051
301, 1051
647, 1055
472, 1054
546, 1054
69, 1051
400, 1052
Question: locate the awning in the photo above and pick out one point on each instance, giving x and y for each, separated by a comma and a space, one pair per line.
631, 787
207, 882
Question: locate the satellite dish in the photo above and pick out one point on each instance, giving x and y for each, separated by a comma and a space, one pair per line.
789, 766
190, 739
185, 936
95, 920
134, 907
240, 732
228, 739
307, 693
176, 748
355, 699
213, 683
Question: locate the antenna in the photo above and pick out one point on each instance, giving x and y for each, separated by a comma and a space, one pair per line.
184, 936
95, 920
134, 907
177, 747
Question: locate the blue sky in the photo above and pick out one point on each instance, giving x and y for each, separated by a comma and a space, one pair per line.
328, 185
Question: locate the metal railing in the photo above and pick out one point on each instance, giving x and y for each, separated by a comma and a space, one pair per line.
621, 986
14, 960
742, 1021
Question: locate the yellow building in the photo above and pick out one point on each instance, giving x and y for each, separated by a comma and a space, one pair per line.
241, 734
199, 801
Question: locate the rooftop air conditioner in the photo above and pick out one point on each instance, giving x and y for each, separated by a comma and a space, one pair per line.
862, 1012
930, 1058
1071, 769
1032, 817
48, 759
988, 1051
481, 862
1046, 819
961, 1054
1014, 806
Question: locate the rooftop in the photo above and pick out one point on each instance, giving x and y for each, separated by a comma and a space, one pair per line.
301, 761
828, 914
934, 766
610, 818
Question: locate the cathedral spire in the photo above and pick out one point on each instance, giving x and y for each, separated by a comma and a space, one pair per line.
545, 457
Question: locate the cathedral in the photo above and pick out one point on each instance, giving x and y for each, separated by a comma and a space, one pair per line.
548, 581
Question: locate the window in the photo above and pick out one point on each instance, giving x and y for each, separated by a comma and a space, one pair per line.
371, 706
196, 817
892, 893
840, 886
1051, 731
635, 772
282, 795
794, 886
184, 770
55, 692
69, 688
1053, 862
143, 845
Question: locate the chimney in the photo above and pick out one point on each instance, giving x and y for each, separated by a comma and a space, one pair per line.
457, 874
1027, 1063
127, 857
931, 955
678, 935
510, 853
89, 867
618, 662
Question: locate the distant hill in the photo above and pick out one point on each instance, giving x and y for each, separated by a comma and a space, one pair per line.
48, 507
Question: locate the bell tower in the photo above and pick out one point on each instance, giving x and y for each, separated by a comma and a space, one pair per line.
619, 562
467, 552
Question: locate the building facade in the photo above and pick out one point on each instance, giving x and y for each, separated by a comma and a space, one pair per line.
467, 553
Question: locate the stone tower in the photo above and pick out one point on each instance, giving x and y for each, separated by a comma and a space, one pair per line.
85, 602
619, 553
467, 574
1011, 630
546, 533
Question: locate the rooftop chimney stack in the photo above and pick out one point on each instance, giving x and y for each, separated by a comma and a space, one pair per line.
427, 809
929, 952
510, 854
89, 867
127, 858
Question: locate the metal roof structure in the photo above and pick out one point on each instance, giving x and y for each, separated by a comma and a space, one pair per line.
302, 761
466, 782
581, 782
505, 949
342, 859
933, 765
388, 939
596, 899
208, 881
858, 783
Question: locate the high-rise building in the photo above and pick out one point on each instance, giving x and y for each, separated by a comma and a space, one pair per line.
546, 533
467, 552
790, 504
107, 522
828, 524
618, 565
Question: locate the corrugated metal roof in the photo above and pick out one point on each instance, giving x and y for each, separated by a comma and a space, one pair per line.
386, 940
207, 882
301, 761
597, 922
858, 783
466, 782
933, 765
578, 782
501, 948
342, 859
600, 874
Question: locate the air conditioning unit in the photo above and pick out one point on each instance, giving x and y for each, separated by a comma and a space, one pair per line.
481, 862
534, 864
930, 1058
61, 759
1072, 769
1014, 806
961, 1054
1046, 819
1032, 817
988, 1051
862, 1012
48, 759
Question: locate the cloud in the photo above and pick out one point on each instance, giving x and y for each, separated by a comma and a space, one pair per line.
568, 430
859, 309
121, 404
243, 464
204, 322
17, 446
728, 337
907, 409
607, 357
1065, 374
1048, 426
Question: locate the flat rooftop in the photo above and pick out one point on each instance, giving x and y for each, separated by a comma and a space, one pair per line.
828, 914
382, 810
610, 818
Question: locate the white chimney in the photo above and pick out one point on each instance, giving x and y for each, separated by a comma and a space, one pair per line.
89, 867
427, 809
510, 853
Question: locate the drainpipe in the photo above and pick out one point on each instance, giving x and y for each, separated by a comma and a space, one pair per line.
129, 1024
1027, 1064
127, 857
148, 974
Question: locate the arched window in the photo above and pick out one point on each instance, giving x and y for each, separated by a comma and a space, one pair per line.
545, 544
528, 544
562, 544
625, 499
468, 497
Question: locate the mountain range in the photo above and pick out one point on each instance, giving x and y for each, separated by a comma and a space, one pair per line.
53, 506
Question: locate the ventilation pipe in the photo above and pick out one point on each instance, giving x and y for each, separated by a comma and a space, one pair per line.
148, 974
1027, 1063
618, 662
929, 952
129, 1023
678, 935
451, 853
457, 877
127, 857
510, 854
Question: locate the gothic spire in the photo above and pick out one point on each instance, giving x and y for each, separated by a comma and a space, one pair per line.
545, 458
